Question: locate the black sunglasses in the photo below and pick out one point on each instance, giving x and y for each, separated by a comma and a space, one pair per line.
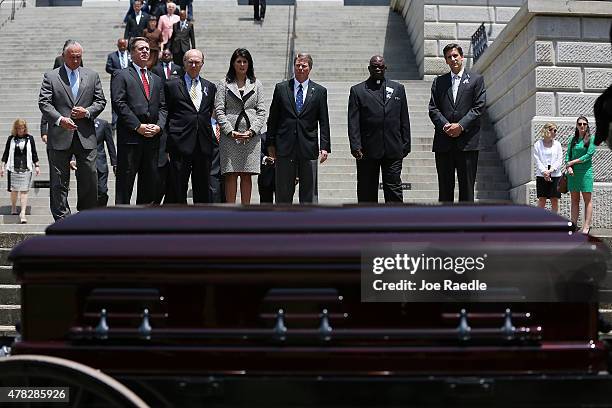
583, 124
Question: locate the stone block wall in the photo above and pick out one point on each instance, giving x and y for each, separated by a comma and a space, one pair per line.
550, 64
434, 23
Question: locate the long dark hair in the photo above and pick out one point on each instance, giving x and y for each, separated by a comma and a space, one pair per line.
587, 136
231, 73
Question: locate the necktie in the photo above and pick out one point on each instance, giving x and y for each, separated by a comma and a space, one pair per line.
74, 85
456, 79
167, 71
123, 60
145, 82
299, 99
193, 94
183, 26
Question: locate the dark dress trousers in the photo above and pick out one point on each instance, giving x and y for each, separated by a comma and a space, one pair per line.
56, 101
182, 40
137, 154
379, 126
134, 29
296, 139
190, 139
104, 135
460, 153
265, 179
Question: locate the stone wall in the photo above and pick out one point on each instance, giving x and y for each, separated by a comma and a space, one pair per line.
445, 21
550, 64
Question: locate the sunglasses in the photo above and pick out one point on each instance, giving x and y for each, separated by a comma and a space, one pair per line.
553, 129
583, 124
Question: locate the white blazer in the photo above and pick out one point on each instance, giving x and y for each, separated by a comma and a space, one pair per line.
542, 162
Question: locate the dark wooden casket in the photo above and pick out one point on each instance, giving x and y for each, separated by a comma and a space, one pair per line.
222, 306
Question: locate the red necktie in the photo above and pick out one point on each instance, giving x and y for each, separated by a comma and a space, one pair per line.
145, 82
167, 71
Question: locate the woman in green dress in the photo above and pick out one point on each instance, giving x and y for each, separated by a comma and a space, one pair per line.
580, 172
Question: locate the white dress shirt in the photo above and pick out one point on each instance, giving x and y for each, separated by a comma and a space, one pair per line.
455, 81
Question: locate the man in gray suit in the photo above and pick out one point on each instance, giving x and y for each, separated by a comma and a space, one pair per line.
71, 97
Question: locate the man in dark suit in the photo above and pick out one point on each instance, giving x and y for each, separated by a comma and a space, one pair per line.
118, 59
259, 9
265, 179
137, 23
104, 135
183, 38
166, 68
190, 101
71, 97
457, 102
379, 133
138, 99
298, 110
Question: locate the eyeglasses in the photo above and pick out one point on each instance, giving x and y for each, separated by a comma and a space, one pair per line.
583, 124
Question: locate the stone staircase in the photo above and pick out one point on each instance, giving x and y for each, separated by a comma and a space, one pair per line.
340, 38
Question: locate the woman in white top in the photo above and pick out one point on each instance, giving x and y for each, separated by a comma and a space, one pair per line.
548, 157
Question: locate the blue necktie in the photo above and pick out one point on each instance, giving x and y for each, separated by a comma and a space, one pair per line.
74, 85
299, 99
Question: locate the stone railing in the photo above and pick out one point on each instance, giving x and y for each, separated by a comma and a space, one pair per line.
549, 64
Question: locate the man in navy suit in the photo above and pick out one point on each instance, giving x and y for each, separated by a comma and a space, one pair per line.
457, 102
298, 110
379, 133
118, 60
190, 102
138, 99
136, 23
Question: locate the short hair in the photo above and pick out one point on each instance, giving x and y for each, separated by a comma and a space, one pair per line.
18, 122
170, 3
231, 72
70, 43
193, 49
546, 127
450, 46
303, 55
134, 40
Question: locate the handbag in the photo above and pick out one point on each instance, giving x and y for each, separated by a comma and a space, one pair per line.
562, 186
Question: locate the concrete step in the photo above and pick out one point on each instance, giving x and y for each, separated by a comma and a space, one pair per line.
9, 314
6, 276
10, 295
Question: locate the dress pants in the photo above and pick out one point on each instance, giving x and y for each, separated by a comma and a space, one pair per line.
181, 167
466, 164
286, 171
133, 159
367, 180
259, 9
102, 188
59, 178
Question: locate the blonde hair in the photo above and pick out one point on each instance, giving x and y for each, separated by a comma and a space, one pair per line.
546, 127
16, 124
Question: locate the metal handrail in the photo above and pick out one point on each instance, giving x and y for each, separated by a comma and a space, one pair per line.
291, 35
16, 5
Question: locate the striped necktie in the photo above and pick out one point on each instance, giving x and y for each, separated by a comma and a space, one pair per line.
193, 93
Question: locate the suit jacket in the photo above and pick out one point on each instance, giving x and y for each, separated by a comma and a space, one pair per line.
104, 134
55, 100
113, 63
176, 71
378, 123
466, 110
181, 39
229, 106
185, 124
132, 106
297, 135
133, 29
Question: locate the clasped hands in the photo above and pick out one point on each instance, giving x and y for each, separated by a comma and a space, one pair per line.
77, 112
242, 137
453, 129
148, 129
